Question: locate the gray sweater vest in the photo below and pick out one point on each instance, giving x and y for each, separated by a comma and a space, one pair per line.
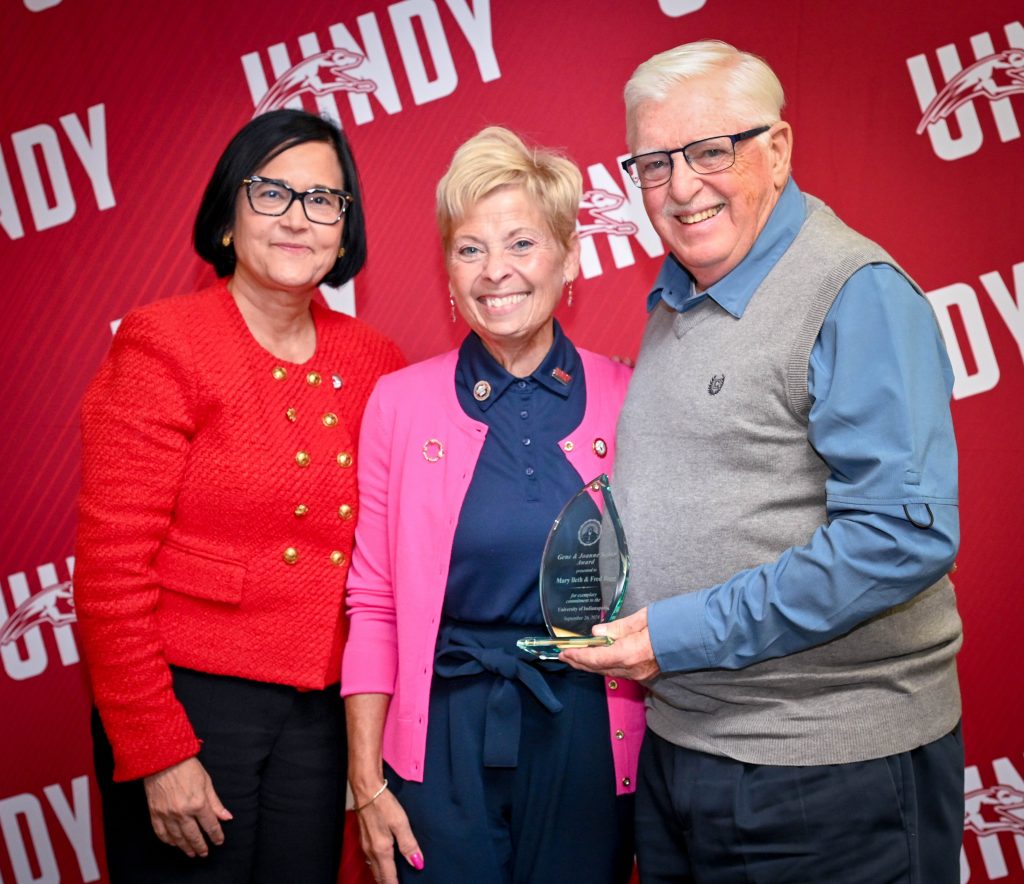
714, 474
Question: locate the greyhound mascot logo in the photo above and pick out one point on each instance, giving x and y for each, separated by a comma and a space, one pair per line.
992, 77
54, 605
1004, 802
317, 75
597, 204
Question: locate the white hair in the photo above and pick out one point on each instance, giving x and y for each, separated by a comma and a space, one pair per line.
751, 81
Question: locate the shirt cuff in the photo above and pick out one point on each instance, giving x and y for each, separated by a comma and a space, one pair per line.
676, 627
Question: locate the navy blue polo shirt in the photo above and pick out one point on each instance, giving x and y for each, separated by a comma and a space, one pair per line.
521, 482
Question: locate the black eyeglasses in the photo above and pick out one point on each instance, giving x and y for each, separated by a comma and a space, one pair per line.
705, 156
322, 205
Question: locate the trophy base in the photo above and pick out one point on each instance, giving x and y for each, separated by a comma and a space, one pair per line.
548, 648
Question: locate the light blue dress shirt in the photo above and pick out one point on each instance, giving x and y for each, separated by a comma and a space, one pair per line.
880, 383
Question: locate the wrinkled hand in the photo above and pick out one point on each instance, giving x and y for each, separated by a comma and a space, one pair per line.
183, 805
630, 657
382, 824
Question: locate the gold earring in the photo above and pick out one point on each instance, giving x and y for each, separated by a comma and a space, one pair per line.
570, 292
225, 240
451, 300
341, 252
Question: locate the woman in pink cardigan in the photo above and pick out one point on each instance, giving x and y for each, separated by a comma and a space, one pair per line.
468, 759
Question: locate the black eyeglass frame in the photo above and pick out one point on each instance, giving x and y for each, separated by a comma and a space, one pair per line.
629, 164
346, 198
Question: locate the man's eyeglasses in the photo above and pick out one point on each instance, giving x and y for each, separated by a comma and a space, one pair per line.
322, 205
704, 157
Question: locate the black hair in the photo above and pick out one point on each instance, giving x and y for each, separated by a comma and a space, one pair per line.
258, 142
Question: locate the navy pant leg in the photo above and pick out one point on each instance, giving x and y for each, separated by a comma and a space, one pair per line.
553, 817
713, 820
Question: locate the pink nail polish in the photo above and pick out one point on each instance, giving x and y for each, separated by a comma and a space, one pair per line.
417, 861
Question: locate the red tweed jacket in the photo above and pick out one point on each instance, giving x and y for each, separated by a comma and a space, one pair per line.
217, 512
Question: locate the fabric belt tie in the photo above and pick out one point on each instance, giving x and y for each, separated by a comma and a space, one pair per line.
460, 652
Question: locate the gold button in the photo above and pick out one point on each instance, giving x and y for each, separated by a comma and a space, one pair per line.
568, 446
619, 735
626, 782
291, 415
330, 419
313, 378
345, 459
613, 685
338, 557
302, 459
279, 372
301, 510
290, 555
345, 512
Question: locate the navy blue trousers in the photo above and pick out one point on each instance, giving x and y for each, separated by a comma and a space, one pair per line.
276, 757
515, 790
704, 819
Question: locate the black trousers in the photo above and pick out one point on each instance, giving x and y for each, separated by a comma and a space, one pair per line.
704, 819
277, 758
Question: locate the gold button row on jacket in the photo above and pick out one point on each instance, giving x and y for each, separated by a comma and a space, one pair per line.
301, 510
345, 459
345, 512
330, 419
279, 372
302, 459
619, 735
291, 556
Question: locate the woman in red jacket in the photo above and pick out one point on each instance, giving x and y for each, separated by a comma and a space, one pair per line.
216, 524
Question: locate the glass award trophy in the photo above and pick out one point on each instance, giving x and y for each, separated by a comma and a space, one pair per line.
583, 572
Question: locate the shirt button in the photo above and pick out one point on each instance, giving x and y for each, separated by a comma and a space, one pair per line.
330, 419
529, 471
526, 440
290, 555
291, 415
524, 414
345, 512
338, 557
619, 735
613, 685
344, 459
279, 372
521, 385
313, 378
302, 459
301, 510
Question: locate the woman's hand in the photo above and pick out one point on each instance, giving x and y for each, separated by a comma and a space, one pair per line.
382, 825
183, 805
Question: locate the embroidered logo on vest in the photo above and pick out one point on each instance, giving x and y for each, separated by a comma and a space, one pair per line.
716, 383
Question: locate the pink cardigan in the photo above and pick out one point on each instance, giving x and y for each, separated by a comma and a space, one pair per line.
410, 497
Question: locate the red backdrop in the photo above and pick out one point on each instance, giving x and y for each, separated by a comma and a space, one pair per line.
114, 112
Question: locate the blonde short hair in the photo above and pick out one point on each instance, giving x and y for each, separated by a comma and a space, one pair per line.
495, 158
754, 86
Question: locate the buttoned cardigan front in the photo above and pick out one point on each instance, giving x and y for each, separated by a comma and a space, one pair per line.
216, 512
418, 453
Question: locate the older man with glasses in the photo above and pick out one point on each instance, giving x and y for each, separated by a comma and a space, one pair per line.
787, 479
